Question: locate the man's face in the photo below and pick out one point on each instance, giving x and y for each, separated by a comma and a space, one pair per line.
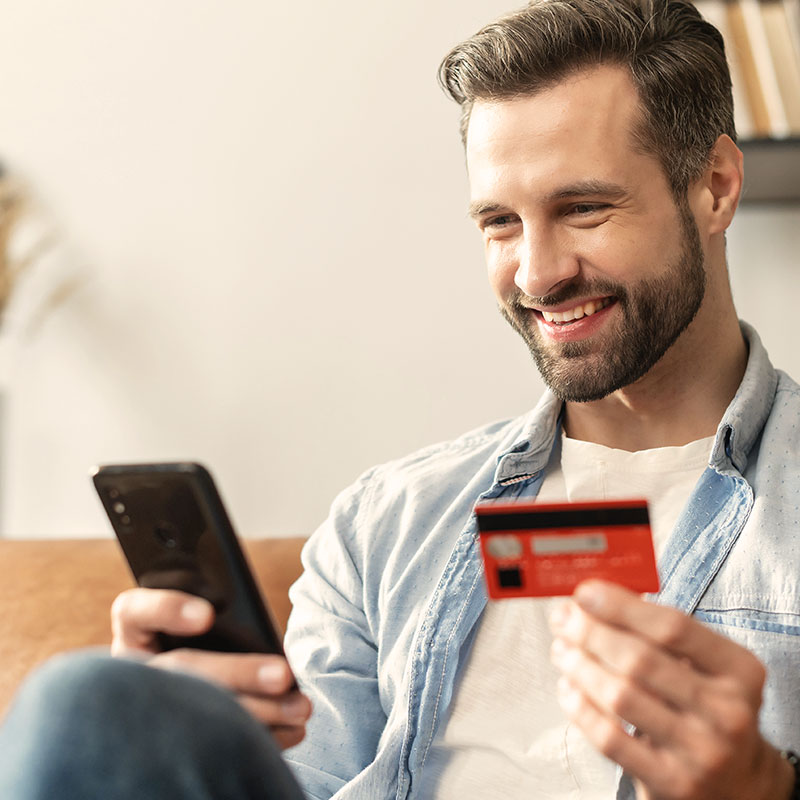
590, 258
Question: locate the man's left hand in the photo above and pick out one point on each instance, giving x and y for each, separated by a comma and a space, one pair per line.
692, 695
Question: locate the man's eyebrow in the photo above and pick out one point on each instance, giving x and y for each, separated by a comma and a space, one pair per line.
591, 188
479, 208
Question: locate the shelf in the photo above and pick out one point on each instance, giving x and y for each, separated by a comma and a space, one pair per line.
771, 170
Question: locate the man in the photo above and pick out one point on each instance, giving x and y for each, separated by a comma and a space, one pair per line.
603, 174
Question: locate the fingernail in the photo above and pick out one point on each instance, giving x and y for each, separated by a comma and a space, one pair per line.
295, 708
196, 610
272, 675
559, 615
567, 695
590, 596
564, 657
557, 650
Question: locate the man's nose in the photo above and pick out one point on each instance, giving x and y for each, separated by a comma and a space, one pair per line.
543, 263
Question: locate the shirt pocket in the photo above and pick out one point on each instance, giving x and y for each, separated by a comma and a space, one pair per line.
774, 638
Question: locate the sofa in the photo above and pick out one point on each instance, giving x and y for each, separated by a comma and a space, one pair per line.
56, 595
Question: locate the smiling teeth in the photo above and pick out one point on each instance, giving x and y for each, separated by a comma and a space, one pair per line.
586, 310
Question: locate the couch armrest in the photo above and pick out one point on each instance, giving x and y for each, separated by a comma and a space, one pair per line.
56, 595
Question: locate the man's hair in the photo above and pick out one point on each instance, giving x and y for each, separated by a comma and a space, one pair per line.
675, 58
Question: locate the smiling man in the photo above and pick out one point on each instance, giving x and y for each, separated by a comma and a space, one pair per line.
571, 240
603, 174
618, 284
600, 267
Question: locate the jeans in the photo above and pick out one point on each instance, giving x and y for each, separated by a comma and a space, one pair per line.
88, 726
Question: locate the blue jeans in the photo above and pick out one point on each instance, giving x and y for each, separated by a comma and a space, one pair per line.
88, 726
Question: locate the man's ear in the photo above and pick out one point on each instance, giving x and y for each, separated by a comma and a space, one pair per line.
720, 186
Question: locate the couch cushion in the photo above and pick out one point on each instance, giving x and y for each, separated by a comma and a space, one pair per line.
56, 595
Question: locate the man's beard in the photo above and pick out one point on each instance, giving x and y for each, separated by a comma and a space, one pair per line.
653, 314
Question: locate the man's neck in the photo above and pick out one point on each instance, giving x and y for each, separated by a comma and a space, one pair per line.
681, 399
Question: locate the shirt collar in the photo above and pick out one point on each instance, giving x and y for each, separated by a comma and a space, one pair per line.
737, 432
531, 451
745, 417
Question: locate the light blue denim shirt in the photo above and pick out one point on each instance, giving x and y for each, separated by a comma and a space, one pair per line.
393, 585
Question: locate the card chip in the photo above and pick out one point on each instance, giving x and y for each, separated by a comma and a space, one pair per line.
509, 577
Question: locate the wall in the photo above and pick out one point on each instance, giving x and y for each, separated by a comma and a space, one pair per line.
263, 205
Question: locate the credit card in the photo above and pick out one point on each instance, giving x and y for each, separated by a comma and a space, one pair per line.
547, 549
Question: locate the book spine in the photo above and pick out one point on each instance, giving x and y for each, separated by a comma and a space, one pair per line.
792, 10
765, 67
785, 60
715, 12
750, 80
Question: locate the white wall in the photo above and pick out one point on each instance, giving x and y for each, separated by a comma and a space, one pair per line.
266, 205
764, 261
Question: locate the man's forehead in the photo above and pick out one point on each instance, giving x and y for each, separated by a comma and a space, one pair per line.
582, 128
600, 104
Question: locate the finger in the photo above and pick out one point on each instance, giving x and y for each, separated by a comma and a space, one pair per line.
675, 678
671, 629
248, 673
705, 736
288, 736
669, 677
621, 697
291, 711
264, 686
708, 766
636, 755
137, 615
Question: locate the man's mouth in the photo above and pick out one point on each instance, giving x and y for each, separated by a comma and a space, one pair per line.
578, 312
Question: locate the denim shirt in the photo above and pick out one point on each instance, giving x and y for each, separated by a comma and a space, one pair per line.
393, 586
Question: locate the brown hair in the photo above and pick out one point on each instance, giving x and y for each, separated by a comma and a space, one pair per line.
676, 61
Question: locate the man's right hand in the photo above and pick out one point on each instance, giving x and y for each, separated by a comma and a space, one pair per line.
263, 684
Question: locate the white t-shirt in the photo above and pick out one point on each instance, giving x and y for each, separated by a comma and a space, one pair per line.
506, 736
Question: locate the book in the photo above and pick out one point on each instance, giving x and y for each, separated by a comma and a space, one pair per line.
792, 10
785, 58
765, 67
749, 74
714, 11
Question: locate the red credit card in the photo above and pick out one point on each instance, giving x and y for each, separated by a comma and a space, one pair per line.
547, 549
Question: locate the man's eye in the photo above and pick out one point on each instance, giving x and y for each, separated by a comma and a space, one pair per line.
583, 209
499, 221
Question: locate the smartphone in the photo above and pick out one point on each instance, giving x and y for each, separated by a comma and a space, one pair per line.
175, 534
532, 549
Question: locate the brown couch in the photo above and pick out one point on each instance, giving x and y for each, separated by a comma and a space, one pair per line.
56, 595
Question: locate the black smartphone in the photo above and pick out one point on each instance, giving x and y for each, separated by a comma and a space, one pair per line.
175, 533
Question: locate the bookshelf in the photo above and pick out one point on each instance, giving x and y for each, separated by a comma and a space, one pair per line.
762, 42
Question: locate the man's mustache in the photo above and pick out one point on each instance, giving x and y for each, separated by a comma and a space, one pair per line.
519, 301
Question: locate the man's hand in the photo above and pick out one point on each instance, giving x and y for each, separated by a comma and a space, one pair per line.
264, 684
692, 695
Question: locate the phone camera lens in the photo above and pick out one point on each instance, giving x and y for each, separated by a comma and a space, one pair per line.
167, 534
119, 507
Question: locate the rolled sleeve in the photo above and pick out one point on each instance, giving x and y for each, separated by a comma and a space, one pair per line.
334, 655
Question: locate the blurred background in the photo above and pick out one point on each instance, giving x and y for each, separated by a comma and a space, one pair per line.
252, 249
